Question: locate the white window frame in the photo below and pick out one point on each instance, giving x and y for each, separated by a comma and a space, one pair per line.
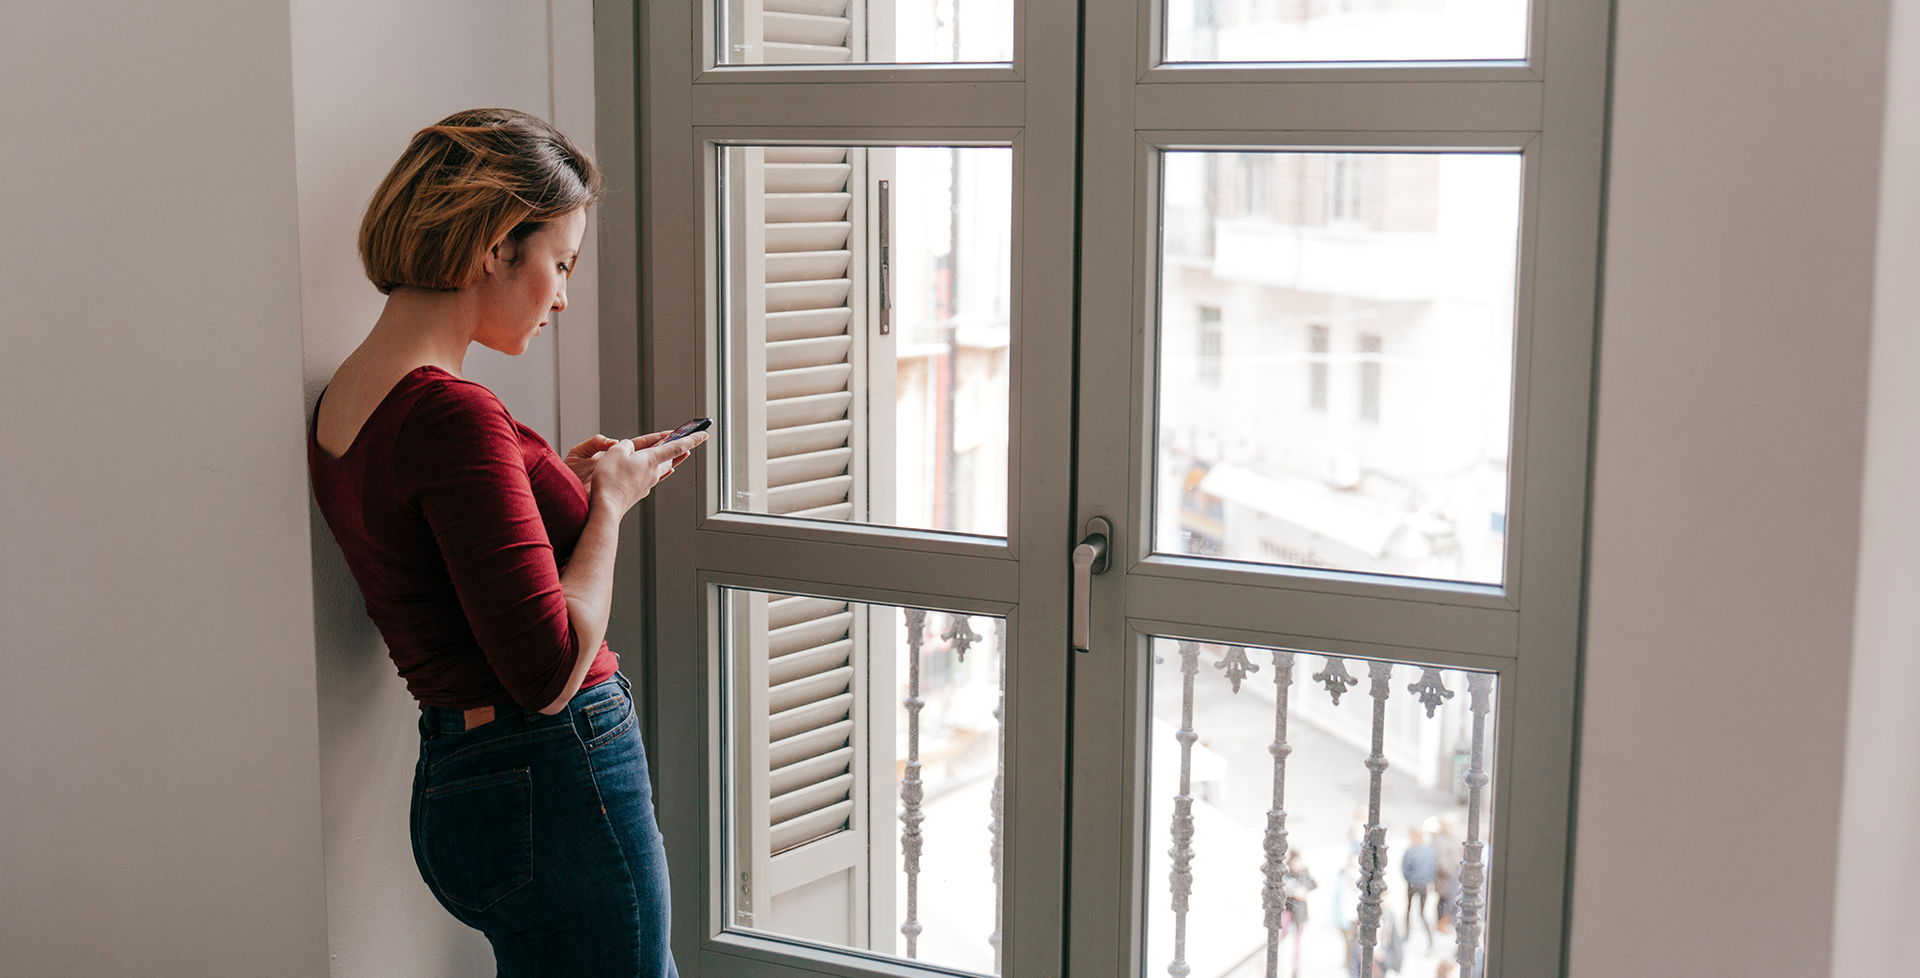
662, 106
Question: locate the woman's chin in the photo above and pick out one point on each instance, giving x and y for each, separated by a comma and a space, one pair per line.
512, 349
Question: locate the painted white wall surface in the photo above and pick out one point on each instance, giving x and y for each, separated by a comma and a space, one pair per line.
367, 75
1879, 860
159, 781
1727, 488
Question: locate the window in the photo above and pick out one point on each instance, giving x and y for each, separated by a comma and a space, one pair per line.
1318, 346
1255, 196
1210, 352
1346, 189
1370, 379
857, 256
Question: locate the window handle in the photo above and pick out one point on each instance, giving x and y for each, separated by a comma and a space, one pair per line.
1089, 558
886, 257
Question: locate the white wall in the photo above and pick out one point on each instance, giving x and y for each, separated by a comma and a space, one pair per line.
159, 782
1879, 859
164, 766
368, 74
1732, 405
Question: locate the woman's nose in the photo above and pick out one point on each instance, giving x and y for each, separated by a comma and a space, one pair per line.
560, 299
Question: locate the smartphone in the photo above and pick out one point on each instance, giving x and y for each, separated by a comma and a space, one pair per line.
697, 424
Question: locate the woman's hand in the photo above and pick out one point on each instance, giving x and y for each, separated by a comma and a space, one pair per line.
580, 458
624, 472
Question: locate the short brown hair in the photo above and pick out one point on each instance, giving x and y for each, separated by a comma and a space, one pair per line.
465, 184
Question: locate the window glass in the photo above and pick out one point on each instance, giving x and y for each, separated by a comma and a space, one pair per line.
865, 772
1258, 857
867, 326
1346, 30
816, 32
1336, 360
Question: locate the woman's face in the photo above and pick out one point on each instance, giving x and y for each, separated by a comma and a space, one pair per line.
526, 283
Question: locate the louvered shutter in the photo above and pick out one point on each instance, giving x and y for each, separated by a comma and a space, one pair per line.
810, 32
809, 348
813, 387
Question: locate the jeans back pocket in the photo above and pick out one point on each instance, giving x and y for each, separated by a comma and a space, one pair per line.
476, 837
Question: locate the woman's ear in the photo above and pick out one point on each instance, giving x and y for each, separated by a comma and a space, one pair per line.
499, 256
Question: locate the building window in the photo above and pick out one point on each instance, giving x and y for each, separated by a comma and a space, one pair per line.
1256, 185
1347, 189
1317, 349
1370, 379
1210, 345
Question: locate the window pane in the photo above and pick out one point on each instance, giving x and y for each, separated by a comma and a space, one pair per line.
811, 32
1346, 30
864, 776
1336, 361
1223, 795
866, 326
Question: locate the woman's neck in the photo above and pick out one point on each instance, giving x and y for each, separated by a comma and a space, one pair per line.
426, 327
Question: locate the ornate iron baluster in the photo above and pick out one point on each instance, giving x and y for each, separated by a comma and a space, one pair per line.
1373, 855
1273, 896
996, 826
1336, 677
1430, 690
1236, 665
1181, 878
911, 792
960, 635
1473, 869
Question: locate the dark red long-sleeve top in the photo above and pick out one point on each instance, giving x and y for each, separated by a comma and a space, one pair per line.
456, 521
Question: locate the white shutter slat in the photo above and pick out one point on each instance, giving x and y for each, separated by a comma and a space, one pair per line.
831, 511
807, 208
810, 689
799, 665
802, 266
779, 53
808, 236
807, 178
801, 719
808, 634
807, 438
823, 8
813, 770
784, 296
809, 467
802, 324
787, 751
788, 500
806, 381
811, 798
812, 30
807, 828
805, 154
794, 609
815, 352
794, 411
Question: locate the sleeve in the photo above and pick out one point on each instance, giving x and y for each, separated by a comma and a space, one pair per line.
460, 453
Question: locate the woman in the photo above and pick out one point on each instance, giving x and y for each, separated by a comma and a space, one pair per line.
487, 561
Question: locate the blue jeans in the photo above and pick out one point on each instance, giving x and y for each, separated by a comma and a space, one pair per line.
539, 832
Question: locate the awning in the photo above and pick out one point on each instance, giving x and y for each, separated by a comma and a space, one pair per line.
1316, 508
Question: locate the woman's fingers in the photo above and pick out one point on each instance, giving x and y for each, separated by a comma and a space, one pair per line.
590, 447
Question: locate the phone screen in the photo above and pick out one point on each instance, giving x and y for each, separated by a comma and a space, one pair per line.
697, 424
